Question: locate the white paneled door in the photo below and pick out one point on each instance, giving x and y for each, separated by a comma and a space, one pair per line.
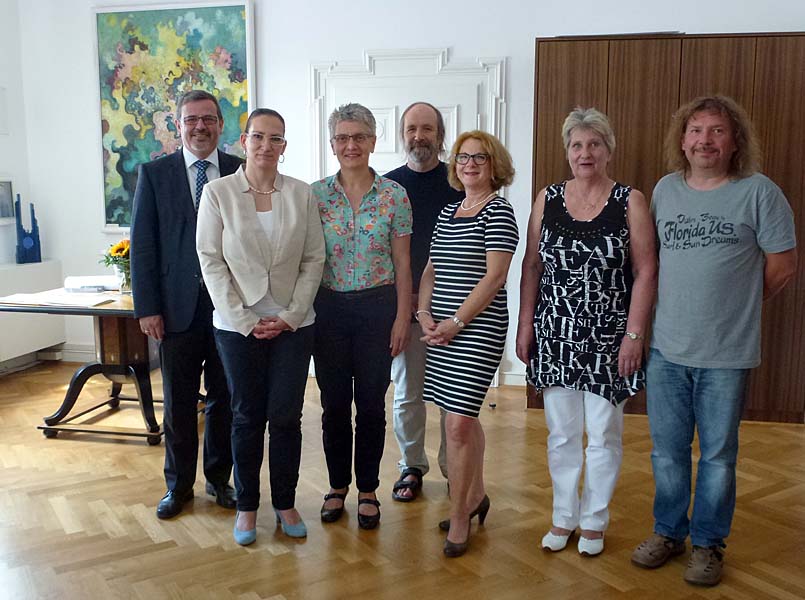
470, 95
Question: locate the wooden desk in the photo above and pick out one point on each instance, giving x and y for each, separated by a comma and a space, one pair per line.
123, 355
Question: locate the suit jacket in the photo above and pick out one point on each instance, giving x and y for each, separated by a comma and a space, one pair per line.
165, 273
240, 263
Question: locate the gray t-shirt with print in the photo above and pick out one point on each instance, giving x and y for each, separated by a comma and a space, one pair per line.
712, 246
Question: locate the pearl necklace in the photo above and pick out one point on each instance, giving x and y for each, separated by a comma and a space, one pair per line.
471, 206
256, 191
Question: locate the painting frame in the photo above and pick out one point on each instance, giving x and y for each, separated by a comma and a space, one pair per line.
145, 57
7, 212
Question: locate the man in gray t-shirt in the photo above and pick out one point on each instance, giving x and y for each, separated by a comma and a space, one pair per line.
726, 243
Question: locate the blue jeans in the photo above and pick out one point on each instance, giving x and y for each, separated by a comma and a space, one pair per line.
681, 399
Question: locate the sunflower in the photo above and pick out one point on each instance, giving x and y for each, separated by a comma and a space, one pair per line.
121, 249
118, 254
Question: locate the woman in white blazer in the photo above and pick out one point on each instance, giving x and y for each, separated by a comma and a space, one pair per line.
260, 243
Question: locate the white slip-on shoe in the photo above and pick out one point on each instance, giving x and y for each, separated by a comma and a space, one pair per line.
554, 542
588, 547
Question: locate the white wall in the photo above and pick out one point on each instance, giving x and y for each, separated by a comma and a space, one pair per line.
61, 95
13, 145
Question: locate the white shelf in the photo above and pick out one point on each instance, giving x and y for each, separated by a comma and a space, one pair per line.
23, 333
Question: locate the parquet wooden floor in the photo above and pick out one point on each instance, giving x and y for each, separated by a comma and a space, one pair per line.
77, 519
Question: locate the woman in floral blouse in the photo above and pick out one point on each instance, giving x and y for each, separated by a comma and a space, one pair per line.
363, 309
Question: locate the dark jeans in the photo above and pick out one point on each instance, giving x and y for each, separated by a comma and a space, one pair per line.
267, 380
185, 356
353, 332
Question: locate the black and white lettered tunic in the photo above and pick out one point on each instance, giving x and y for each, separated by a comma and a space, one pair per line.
583, 301
457, 376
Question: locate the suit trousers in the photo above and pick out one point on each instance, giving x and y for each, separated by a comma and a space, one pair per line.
353, 362
267, 379
185, 357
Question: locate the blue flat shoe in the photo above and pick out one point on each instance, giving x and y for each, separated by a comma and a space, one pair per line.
295, 531
244, 538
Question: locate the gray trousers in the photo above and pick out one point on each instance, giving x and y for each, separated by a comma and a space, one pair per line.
408, 376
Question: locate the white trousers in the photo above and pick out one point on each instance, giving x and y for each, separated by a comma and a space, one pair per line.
569, 413
410, 412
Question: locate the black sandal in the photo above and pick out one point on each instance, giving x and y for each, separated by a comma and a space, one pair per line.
402, 484
368, 521
331, 515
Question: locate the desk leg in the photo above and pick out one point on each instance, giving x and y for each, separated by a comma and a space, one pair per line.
76, 385
140, 373
114, 393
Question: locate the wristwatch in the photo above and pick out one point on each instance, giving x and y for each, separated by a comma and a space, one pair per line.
459, 323
634, 336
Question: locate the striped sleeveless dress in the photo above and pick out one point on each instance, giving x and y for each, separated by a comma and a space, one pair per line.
458, 375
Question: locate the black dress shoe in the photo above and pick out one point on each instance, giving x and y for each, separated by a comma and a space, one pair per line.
369, 521
331, 515
172, 503
224, 494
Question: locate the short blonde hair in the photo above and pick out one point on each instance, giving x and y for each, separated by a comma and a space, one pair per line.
499, 158
746, 158
592, 120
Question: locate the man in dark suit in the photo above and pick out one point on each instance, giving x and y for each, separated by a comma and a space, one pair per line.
173, 306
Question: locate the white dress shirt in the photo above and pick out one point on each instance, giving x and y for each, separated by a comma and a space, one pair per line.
213, 170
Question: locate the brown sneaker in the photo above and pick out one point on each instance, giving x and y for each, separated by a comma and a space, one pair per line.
656, 551
705, 566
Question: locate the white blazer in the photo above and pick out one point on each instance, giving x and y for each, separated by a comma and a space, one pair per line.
240, 263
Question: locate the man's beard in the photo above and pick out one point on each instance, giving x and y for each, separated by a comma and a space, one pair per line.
421, 152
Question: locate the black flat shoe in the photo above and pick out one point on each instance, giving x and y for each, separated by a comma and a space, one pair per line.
480, 510
172, 503
331, 515
224, 494
369, 521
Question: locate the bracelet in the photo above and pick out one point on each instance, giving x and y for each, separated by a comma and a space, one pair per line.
634, 336
427, 312
459, 323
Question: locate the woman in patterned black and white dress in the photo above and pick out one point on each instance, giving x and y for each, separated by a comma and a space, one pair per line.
464, 316
579, 331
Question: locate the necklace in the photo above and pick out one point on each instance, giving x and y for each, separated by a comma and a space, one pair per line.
471, 206
256, 191
595, 203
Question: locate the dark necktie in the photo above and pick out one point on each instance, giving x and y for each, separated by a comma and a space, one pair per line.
201, 178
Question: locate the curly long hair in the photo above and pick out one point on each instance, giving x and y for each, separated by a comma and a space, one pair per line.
746, 158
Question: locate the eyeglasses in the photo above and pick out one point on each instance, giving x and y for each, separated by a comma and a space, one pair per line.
343, 138
193, 120
274, 140
463, 158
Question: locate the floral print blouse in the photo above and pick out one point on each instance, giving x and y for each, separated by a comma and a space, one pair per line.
359, 243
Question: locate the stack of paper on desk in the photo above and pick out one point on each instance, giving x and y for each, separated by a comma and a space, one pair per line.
58, 297
91, 283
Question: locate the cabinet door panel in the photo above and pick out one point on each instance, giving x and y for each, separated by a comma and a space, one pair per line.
777, 387
718, 66
568, 74
643, 93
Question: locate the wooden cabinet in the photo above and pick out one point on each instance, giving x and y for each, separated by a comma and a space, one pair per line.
639, 81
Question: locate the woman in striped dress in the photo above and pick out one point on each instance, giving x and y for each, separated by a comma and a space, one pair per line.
464, 316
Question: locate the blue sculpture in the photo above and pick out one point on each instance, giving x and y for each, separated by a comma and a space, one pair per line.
28, 248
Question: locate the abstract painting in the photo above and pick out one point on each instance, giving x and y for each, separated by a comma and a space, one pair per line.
146, 60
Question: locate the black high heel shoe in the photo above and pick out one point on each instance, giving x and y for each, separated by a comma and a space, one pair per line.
480, 511
456, 549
